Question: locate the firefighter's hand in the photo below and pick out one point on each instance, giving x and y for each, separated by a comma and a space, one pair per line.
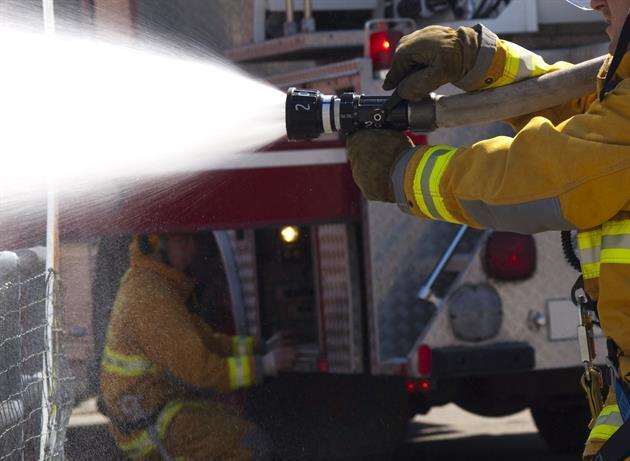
431, 57
372, 155
281, 359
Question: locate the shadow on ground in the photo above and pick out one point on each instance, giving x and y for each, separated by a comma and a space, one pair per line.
426, 442
436, 442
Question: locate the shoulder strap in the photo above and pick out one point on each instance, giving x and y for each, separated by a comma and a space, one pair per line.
620, 52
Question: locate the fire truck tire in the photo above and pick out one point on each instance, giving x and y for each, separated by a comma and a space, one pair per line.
491, 408
331, 417
563, 425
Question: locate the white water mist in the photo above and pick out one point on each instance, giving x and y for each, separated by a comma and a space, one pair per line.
76, 108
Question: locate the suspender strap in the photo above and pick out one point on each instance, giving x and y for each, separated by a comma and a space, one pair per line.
620, 52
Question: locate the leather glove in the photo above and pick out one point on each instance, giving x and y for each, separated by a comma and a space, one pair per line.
372, 155
431, 57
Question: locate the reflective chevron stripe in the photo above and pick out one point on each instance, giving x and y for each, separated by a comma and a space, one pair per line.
139, 446
616, 242
607, 423
242, 346
427, 179
590, 247
520, 64
126, 365
240, 372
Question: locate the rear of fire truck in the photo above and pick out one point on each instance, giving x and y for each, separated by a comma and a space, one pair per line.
493, 328
288, 243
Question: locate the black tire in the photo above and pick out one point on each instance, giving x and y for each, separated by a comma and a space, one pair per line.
491, 408
328, 417
562, 425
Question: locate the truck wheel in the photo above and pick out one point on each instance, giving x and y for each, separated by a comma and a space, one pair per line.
331, 417
562, 425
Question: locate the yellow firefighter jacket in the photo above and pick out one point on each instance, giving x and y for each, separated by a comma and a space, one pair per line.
567, 168
157, 351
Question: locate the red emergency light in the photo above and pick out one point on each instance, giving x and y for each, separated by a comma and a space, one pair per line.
510, 256
424, 359
382, 47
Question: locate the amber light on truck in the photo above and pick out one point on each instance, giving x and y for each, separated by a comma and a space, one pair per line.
290, 234
510, 256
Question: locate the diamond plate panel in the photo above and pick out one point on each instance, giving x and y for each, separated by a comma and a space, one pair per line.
245, 255
338, 297
402, 252
553, 279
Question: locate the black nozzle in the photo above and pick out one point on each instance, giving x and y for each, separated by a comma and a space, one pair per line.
309, 113
304, 114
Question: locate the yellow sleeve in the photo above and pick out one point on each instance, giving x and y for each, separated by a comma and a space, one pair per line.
548, 177
229, 345
501, 63
164, 329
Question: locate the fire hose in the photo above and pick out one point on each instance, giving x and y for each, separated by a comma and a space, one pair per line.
309, 113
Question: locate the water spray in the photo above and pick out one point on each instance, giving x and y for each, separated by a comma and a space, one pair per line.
310, 113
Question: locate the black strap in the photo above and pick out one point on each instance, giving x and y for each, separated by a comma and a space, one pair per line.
126, 427
589, 304
617, 448
620, 51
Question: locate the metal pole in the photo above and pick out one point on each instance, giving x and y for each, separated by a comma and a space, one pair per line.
52, 266
308, 22
290, 27
425, 291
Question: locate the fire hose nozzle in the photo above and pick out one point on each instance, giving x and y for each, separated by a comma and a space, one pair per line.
310, 113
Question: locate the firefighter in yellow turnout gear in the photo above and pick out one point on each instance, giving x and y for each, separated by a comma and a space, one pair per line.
567, 167
160, 356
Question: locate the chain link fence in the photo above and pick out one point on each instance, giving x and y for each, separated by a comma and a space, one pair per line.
36, 396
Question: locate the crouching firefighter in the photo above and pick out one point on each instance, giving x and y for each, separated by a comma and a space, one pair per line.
567, 168
162, 363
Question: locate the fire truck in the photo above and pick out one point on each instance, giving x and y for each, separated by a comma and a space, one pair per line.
392, 315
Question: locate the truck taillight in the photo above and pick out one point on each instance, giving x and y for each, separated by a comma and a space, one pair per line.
424, 360
510, 256
417, 386
382, 47
323, 366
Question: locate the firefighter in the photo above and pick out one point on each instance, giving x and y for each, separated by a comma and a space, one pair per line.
567, 168
162, 364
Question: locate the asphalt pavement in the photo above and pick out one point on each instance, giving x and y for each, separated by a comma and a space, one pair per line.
445, 433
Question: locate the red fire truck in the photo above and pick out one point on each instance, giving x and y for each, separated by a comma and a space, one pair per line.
291, 244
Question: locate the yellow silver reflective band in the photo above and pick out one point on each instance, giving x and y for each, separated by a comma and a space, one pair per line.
427, 180
590, 246
520, 64
240, 372
607, 423
139, 446
166, 416
242, 345
616, 242
126, 365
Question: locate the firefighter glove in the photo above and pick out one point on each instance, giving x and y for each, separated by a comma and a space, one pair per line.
372, 154
431, 57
